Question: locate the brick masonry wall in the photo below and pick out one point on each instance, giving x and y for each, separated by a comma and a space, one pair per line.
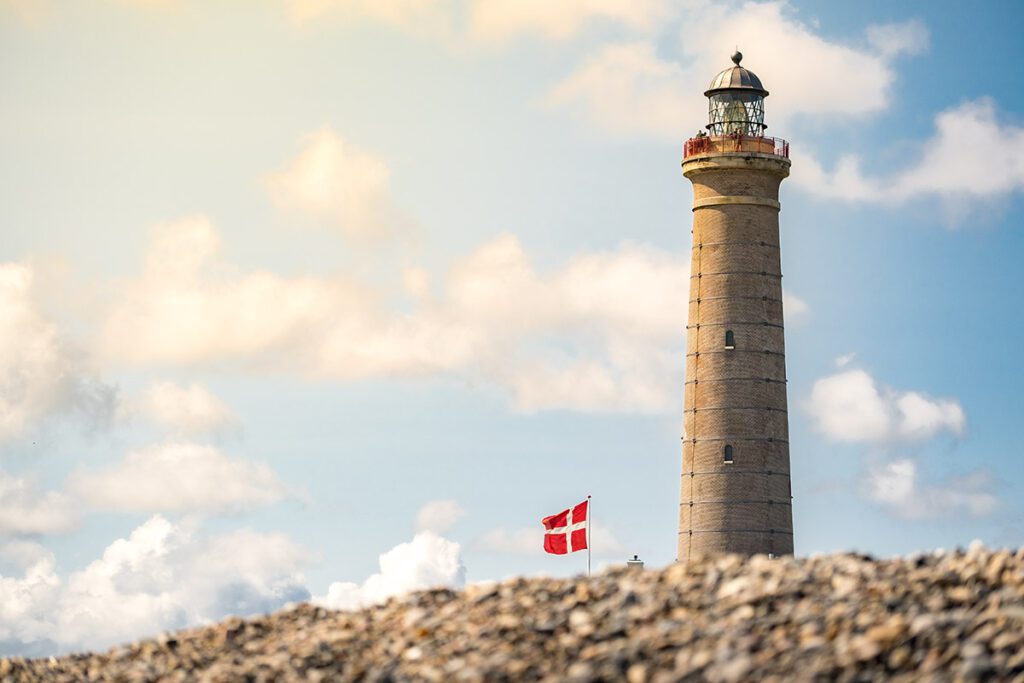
735, 397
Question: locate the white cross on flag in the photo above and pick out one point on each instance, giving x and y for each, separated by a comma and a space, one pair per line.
566, 532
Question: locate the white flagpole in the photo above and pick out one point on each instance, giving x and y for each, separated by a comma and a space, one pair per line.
588, 535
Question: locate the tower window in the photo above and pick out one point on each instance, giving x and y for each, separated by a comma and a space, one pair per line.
730, 340
727, 456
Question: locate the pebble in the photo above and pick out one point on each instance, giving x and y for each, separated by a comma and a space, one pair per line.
944, 616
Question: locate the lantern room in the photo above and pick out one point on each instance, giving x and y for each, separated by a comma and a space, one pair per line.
736, 102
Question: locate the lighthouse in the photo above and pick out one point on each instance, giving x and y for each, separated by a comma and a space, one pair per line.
735, 488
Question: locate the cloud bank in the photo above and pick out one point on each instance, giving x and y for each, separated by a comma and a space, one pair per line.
427, 561
180, 477
188, 410
897, 485
333, 181
850, 406
41, 374
162, 576
575, 337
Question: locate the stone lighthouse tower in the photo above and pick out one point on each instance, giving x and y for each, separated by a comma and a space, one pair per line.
735, 493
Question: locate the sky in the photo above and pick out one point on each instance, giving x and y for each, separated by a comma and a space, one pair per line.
333, 299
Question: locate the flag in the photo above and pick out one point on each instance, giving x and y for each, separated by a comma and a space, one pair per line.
566, 532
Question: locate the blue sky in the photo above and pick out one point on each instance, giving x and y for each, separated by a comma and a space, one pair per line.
287, 286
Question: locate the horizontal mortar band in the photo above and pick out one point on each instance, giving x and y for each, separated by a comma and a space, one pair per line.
738, 272
701, 410
736, 531
723, 200
691, 503
734, 296
737, 379
734, 471
769, 439
708, 353
763, 323
759, 243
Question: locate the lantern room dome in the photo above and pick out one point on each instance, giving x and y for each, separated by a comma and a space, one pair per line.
736, 78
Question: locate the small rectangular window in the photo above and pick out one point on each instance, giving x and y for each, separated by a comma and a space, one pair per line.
730, 340
727, 457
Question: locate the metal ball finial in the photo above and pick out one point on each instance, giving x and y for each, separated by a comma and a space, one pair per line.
737, 57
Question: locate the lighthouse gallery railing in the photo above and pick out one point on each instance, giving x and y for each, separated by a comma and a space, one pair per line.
707, 144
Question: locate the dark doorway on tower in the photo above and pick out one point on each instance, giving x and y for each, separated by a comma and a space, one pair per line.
727, 455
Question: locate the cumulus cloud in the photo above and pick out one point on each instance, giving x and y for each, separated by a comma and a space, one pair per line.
897, 486
439, 516
41, 375
24, 510
956, 163
334, 181
584, 319
427, 561
162, 576
430, 16
486, 21
845, 359
850, 406
628, 88
188, 306
499, 20
908, 37
180, 477
599, 333
632, 88
188, 409
530, 541
795, 307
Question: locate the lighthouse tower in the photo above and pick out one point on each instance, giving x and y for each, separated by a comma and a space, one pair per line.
735, 493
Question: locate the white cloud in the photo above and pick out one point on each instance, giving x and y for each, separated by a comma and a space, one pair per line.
849, 406
41, 376
29, 11
427, 561
611, 319
845, 359
530, 541
601, 332
163, 576
971, 155
498, 20
188, 410
486, 21
433, 16
439, 516
180, 477
190, 307
909, 37
897, 486
334, 181
628, 88
634, 89
795, 307
24, 510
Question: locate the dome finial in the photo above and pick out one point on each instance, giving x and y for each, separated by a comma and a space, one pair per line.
737, 57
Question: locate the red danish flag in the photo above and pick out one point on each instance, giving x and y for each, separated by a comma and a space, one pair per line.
566, 532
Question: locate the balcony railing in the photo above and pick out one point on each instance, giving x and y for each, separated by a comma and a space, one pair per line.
711, 144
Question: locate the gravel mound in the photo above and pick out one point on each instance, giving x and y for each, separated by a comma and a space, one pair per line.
956, 616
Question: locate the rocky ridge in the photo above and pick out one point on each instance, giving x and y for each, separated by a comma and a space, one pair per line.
956, 616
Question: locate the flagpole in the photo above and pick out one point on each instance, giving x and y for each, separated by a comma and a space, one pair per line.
589, 513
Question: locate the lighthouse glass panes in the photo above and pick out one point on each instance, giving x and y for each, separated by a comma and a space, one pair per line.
736, 113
